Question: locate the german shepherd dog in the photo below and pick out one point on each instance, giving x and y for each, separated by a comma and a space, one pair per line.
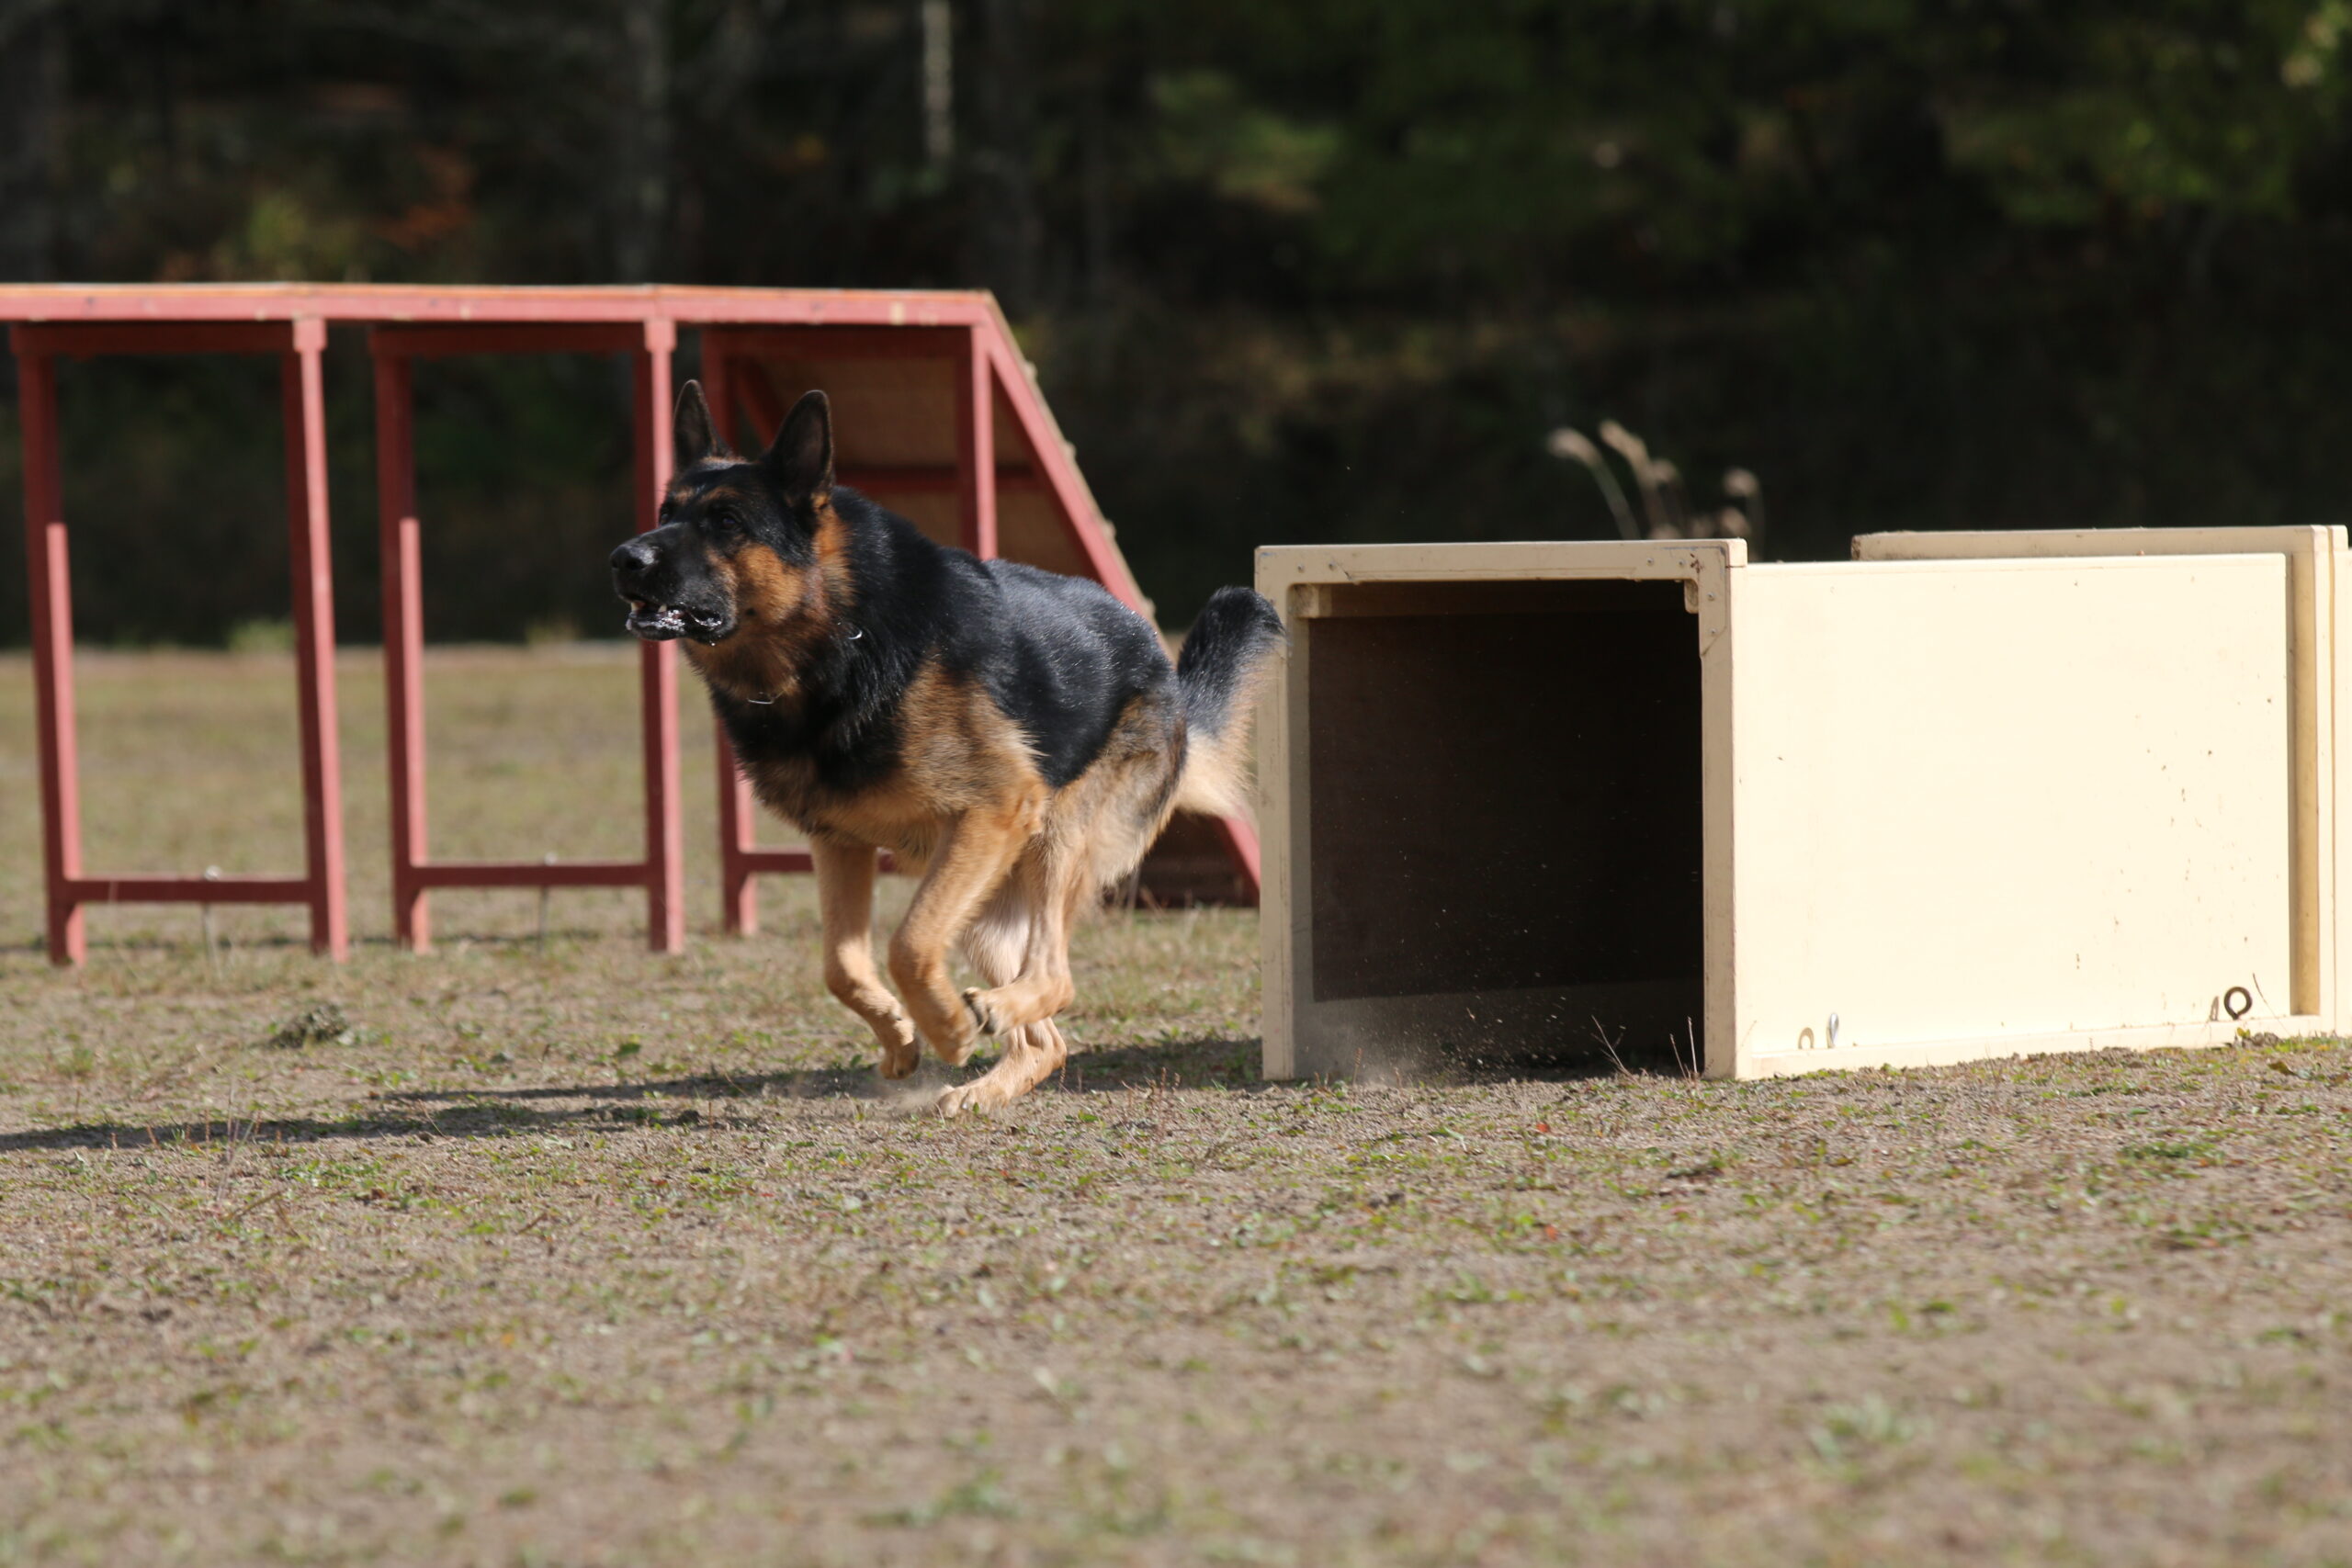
1016, 737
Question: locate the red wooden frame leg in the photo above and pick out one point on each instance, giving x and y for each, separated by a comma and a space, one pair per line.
976, 445
312, 571
403, 642
664, 837
48, 585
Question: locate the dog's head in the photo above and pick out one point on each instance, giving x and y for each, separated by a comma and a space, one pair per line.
736, 548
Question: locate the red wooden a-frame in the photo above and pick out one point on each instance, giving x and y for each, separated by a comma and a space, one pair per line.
940, 418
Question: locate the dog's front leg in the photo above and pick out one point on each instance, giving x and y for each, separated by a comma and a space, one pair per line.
979, 848
845, 894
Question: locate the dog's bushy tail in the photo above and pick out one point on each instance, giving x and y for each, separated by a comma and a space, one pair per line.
1225, 661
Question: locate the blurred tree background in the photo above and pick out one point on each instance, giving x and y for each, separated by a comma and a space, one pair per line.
1291, 269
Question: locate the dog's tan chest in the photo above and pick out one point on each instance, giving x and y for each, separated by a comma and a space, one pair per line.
955, 752
891, 812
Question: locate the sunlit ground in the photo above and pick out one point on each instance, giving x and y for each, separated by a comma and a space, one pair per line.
573, 1254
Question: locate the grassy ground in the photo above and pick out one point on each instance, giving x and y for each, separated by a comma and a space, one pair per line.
583, 1255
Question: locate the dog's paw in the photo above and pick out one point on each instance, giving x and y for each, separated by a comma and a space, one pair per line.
901, 1055
974, 1096
976, 1002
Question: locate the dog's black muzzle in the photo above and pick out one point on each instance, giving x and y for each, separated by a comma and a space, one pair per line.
634, 569
661, 606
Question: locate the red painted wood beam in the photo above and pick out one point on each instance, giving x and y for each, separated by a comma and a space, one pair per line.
312, 569
392, 303
76, 341
529, 874
400, 544
190, 889
665, 842
976, 446
48, 582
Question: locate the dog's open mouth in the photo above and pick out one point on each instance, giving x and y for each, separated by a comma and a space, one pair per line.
660, 623
655, 623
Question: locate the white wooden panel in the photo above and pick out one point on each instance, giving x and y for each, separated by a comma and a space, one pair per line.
2338, 790
1980, 544
2007, 799
2314, 556
1702, 560
1987, 1047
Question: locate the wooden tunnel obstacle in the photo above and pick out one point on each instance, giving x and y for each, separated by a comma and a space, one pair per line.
1969, 795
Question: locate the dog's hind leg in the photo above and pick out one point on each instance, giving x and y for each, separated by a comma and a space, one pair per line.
1032, 1053
972, 859
999, 946
997, 941
1042, 986
845, 895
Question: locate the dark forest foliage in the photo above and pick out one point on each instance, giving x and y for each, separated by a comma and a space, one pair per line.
1292, 269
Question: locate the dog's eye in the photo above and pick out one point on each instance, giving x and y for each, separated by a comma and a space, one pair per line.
723, 524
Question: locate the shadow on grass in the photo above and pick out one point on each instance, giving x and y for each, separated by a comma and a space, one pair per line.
613, 1107
453, 1122
798, 1083
1209, 1062
1206, 1061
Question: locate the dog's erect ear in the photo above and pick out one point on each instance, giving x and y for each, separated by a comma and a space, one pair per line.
802, 461
693, 434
